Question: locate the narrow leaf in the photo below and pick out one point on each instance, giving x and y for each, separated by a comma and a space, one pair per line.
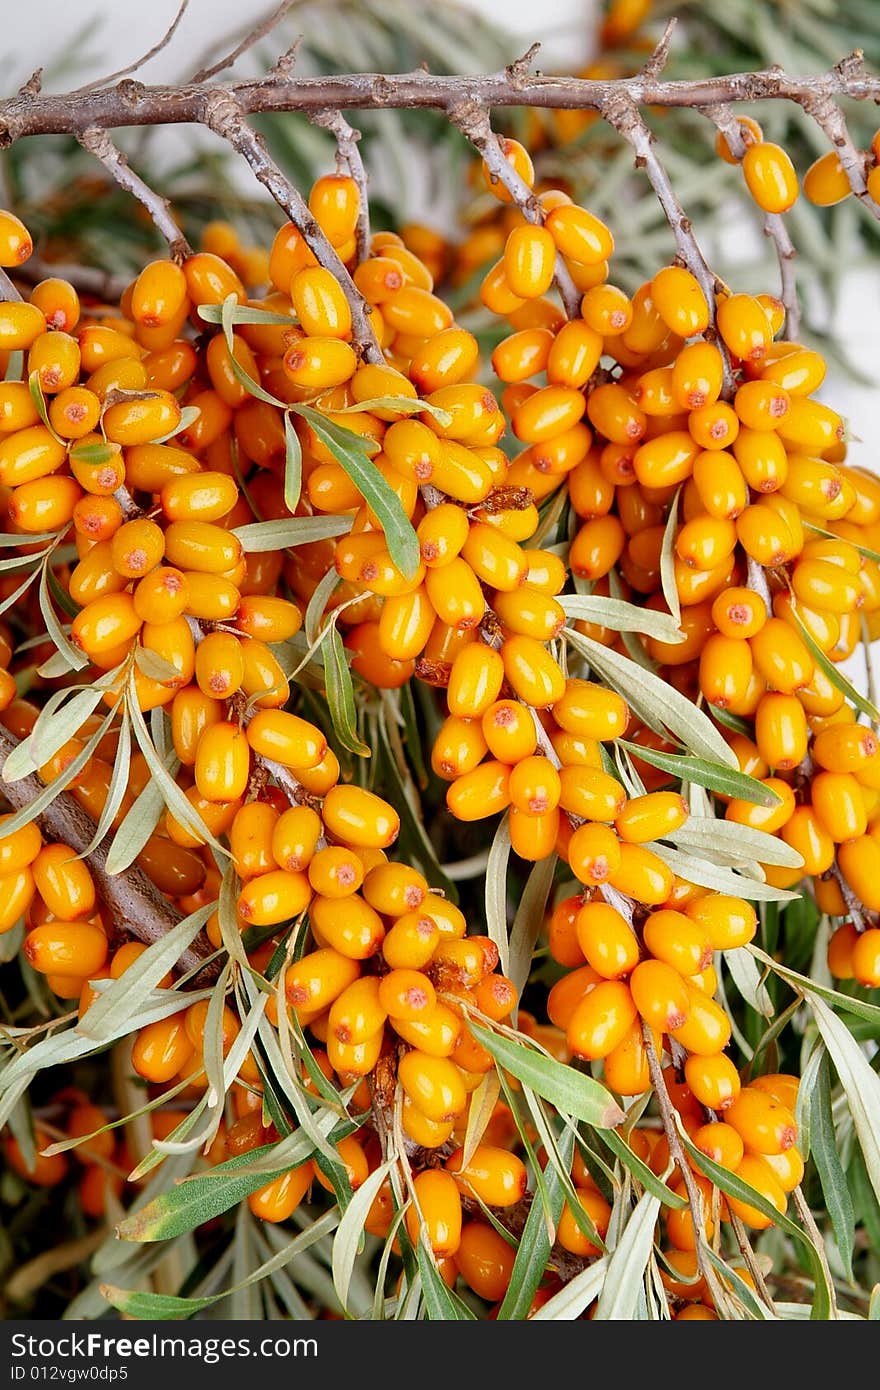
628, 1262
619, 616
258, 536
340, 694
292, 465
569, 1091
706, 774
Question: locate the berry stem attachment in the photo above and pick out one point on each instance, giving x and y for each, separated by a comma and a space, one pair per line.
225, 116
853, 906
98, 143
260, 31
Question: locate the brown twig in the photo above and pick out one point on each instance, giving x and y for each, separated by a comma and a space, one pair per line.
809, 1224
473, 122
134, 899
144, 58
659, 58
261, 31
853, 905
347, 146
137, 104
774, 224
98, 143
676, 1151
226, 118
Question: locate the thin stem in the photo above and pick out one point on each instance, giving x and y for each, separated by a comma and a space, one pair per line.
853, 905
261, 31
347, 147
473, 122
134, 899
224, 116
98, 143
809, 1224
144, 58
748, 1254
677, 1153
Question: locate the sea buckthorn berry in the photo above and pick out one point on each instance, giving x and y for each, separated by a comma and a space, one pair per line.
574, 355
312, 983
17, 888
744, 327
29, 454
597, 547
781, 730
191, 713
359, 817
434, 1034
825, 586
721, 1143
435, 1212
782, 658
335, 872
726, 667
509, 731
530, 613
319, 362
680, 301
591, 711
651, 817
286, 739
278, 1200
55, 359
770, 176
666, 460
613, 412
594, 854
607, 310
161, 1049
481, 792
529, 261
320, 304
219, 665
20, 325
534, 786
350, 926
660, 995
601, 1020
458, 747
411, 941
105, 624
496, 1176
769, 818
407, 994
159, 294
762, 405
606, 940
546, 413
209, 280
532, 671
202, 496
750, 133
495, 559
719, 481
866, 958
434, 1084
569, 1233
845, 748
137, 547
518, 158
534, 837
357, 1013
15, 240
222, 764
142, 421
805, 833
334, 201
250, 839
859, 862
713, 1080
161, 596
201, 546
706, 1031
739, 612
764, 1125
678, 940
591, 792
64, 882
66, 948
579, 236
484, 1259
838, 802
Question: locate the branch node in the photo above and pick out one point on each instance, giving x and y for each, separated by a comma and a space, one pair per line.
519, 68
33, 86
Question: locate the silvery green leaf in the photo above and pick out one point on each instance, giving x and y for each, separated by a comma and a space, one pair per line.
619, 616
657, 704
858, 1079
628, 1262
721, 880
737, 843
496, 892
349, 1237
258, 536
667, 563
747, 978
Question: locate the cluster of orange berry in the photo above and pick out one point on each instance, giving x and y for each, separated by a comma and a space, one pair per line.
680, 438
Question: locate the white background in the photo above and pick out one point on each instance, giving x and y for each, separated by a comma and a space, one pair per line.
36, 32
